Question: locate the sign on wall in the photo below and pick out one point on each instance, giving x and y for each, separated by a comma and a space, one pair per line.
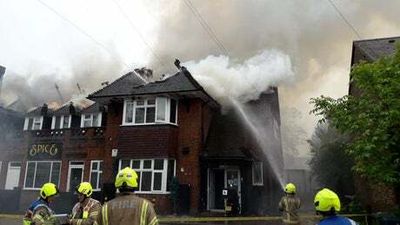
45, 151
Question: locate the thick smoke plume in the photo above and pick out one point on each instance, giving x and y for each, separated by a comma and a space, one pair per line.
89, 70
311, 32
226, 79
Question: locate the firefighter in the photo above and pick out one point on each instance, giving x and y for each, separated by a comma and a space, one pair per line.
327, 204
87, 209
289, 204
127, 208
40, 212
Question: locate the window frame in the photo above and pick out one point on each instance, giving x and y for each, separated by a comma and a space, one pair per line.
164, 174
26, 122
98, 171
61, 122
261, 183
34, 175
133, 103
99, 120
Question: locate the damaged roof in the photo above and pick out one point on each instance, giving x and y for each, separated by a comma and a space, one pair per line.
130, 84
121, 86
373, 49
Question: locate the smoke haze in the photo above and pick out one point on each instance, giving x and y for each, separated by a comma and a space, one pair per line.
310, 32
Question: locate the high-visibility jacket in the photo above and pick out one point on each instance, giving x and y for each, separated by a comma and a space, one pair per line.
289, 205
336, 220
127, 209
85, 213
39, 213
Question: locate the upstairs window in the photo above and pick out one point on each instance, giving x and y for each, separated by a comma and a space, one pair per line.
61, 122
33, 123
91, 120
150, 111
257, 172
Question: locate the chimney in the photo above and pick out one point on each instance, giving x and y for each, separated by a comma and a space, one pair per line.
44, 109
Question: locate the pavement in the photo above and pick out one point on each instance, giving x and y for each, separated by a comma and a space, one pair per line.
9, 219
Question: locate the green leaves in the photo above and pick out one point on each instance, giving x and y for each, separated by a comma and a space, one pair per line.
371, 118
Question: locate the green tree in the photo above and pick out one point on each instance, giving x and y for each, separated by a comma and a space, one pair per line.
371, 118
329, 163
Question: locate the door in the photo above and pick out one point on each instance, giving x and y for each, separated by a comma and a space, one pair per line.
75, 174
232, 180
13, 172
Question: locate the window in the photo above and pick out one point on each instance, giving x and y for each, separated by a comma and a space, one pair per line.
153, 174
96, 170
91, 120
33, 123
40, 172
257, 172
61, 122
150, 111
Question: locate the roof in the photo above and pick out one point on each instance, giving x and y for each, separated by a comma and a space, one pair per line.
94, 108
121, 86
181, 83
75, 106
376, 48
40, 111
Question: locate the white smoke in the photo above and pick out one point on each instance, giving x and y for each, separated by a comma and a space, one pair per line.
224, 78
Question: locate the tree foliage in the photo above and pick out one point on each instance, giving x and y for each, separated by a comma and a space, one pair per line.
329, 163
371, 118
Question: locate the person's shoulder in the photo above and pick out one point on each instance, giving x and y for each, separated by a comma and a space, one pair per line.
95, 202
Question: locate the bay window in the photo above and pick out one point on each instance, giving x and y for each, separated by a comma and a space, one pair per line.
153, 174
150, 111
39, 172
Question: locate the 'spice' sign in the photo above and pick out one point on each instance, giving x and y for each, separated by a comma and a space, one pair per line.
45, 151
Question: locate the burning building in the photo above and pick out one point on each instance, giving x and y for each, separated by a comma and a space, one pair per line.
162, 129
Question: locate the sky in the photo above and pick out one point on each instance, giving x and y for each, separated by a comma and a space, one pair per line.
43, 42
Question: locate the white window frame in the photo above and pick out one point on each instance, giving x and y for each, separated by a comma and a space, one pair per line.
164, 174
261, 183
133, 103
34, 174
61, 125
34, 118
99, 118
98, 171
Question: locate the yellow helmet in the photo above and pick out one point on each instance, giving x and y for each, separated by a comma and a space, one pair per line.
326, 200
48, 189
290, 188
126, 177
85, 188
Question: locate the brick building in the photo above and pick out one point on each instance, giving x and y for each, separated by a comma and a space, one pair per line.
162, 129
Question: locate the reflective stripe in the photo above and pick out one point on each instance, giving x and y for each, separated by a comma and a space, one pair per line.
143, 213
78, 222
154, 221
105, 214
39, 217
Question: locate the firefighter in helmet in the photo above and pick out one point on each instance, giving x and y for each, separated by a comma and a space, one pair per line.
289, 204
39, 212
87, 209
127, 208
327, 204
